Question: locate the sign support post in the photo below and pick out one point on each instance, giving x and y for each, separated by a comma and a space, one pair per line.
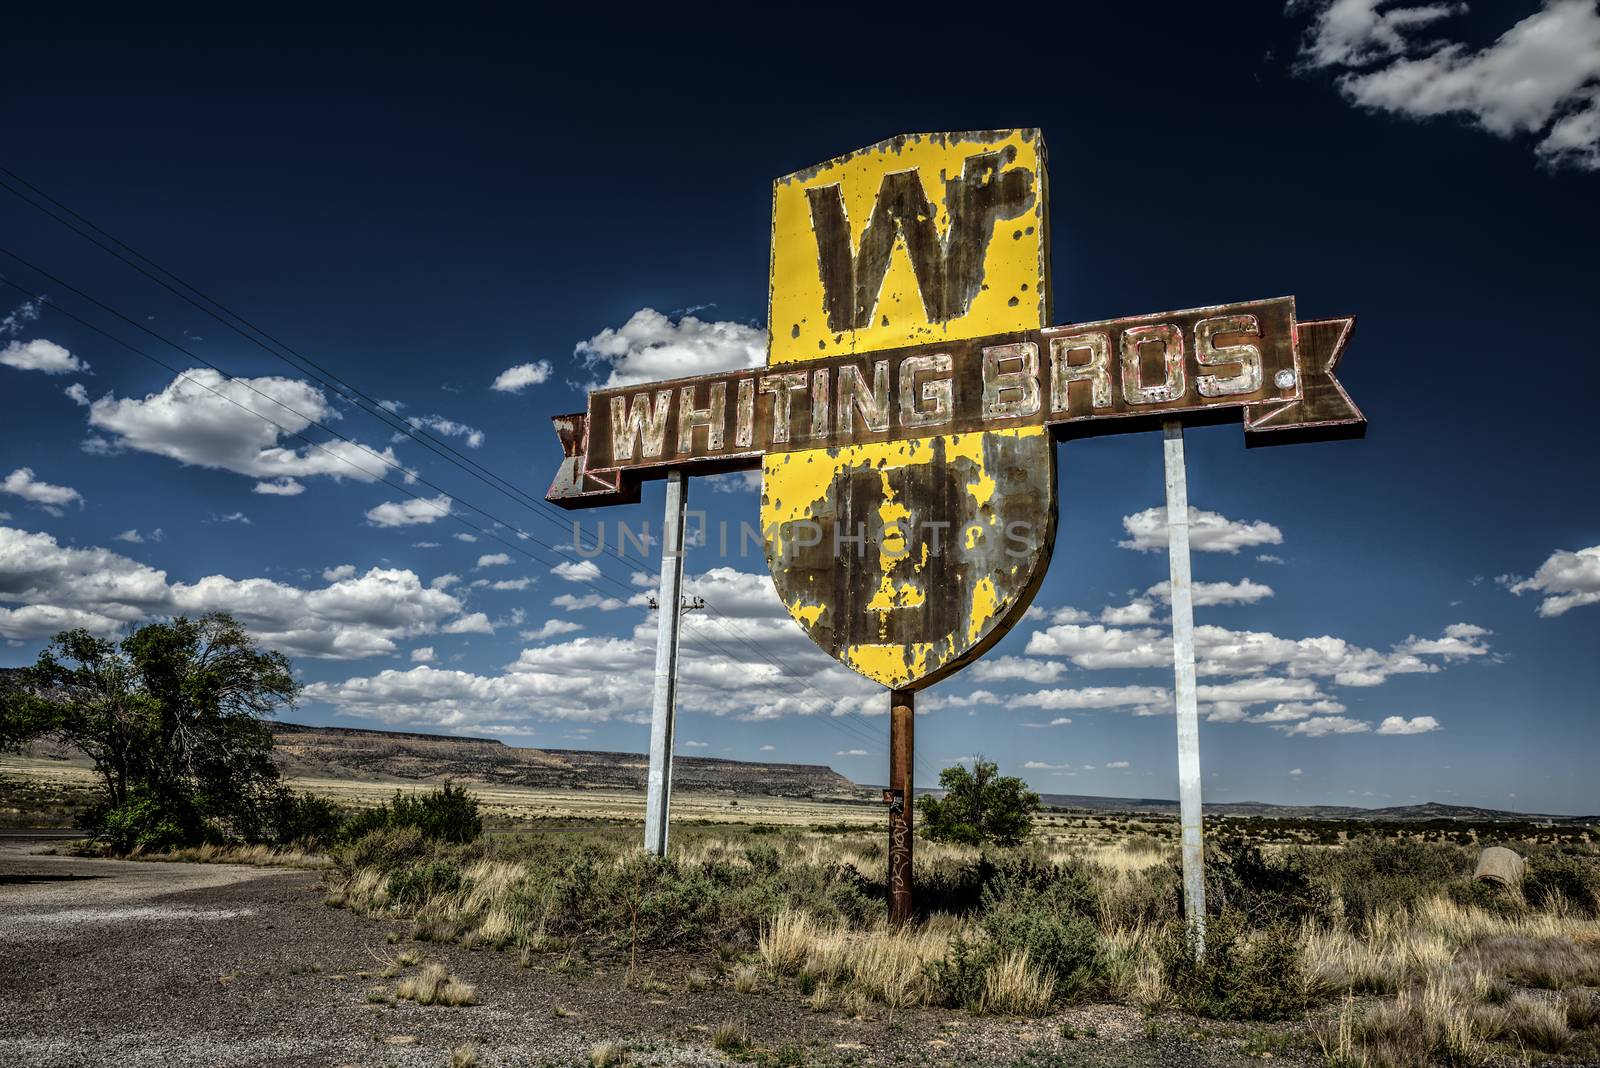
902, 727
663, 710
1194, 871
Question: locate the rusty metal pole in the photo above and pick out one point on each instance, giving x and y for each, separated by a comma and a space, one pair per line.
902, 726
1194, 869
664, 706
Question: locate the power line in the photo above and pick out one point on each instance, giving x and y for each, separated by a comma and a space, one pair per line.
225, 315
180, 375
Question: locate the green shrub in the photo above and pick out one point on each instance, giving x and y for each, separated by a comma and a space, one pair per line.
307, 819
1491, 897
1265, 891
448, 814
1373, 874
145, 823
1554, 876
415, 885
387, 849
1240, 977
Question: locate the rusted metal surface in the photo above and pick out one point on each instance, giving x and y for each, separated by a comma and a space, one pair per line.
906, 547
899, 797
1250, 362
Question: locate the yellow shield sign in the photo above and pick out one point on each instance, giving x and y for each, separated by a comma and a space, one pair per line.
906, 559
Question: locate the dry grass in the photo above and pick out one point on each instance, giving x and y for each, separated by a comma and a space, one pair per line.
464, 1056
888, 964
730, 1037
436, 986
1014, 987
605, 1054
746, 979
259, 856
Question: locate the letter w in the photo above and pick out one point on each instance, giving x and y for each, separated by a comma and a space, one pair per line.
636, 421
949, 269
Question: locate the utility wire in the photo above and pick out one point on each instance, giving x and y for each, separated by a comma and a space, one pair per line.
338, 385
230, 318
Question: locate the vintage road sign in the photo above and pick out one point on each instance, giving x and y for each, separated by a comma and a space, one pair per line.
906, 419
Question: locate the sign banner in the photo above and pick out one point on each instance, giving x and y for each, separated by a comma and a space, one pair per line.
1251, 363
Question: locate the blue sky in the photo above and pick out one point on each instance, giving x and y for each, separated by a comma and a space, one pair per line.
429, 211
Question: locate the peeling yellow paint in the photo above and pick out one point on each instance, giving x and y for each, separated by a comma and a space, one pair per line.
983, 608
809, 485
807, 614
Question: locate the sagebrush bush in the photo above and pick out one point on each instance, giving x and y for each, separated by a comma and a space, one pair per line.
1555, 877
448, 814
418, 884
1242, 976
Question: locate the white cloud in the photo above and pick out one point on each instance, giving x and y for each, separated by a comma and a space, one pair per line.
735, 482
21, 483
1132, 613
424, 545
550, 629
971, 700
651, 346
1568, 580
851, 753
576, 570
494, 559
232, 517
462, 535
41, 355
79, 395
994, 669
598, 677
59, 586
447, 427
444, 581
1209, 532
340, 573
422, 655
1268, 558
513, 584
208, 420
1540, 77
133, 537
411, 512
1095, 697
769, 749
20, 316
1296, 771
1459, 641
476, 623
1111, 764
1039, 765
575, 603
1325, 725
697, 745
1214, 593
280, 487
1414, 725
518, 378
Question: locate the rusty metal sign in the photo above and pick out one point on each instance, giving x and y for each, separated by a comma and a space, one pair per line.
905, 423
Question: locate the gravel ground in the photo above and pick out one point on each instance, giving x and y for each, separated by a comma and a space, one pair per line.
134, 964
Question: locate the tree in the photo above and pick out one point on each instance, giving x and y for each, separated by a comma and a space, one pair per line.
173, 720
979, 806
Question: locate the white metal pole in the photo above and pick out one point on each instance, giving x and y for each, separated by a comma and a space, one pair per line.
664, 706
1194, 870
